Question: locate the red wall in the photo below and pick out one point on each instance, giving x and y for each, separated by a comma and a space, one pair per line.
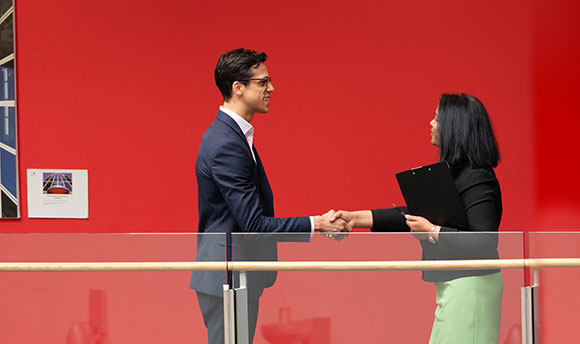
128, 86
556, 71
125, 89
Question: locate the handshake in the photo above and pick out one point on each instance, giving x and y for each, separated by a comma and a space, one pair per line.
334, 225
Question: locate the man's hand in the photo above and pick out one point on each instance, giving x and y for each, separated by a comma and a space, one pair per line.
322, 223
336, 229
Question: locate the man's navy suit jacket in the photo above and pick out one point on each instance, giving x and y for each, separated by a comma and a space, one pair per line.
234, 196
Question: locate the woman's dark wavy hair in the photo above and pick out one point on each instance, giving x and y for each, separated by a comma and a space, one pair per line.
236, 65
465, 133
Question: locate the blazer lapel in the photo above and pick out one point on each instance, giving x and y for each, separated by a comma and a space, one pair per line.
264, 186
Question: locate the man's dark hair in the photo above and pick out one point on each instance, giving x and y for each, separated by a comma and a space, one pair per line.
465, 133
236, 65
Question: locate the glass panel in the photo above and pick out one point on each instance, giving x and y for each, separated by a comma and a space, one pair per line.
81, 307
7, 126
6, 37
6, 83
383, 306
558, 287
8, 171
158, 306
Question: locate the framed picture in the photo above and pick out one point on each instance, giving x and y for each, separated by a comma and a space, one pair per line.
60, 194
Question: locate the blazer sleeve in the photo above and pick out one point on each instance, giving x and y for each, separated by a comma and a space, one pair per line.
233, 173
389, 220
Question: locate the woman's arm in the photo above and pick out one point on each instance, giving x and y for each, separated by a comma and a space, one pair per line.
483, 214
378, 220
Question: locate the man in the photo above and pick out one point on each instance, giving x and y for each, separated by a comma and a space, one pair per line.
234, 195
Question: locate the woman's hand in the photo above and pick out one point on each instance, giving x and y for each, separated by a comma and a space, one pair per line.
421, 228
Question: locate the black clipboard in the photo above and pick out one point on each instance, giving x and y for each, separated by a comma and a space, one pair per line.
430, 191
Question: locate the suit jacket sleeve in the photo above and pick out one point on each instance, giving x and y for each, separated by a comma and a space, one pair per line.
233, 172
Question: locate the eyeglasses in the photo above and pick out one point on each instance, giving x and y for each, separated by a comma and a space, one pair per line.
262, 82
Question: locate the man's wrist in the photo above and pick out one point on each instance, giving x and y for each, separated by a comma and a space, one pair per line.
316, 222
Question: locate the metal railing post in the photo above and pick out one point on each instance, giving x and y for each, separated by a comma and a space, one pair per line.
536, 305
229, 316
241, 296
527, 318
530, 311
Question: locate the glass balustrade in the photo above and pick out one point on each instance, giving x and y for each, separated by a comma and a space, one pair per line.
559, 300
373, 306
365, 288
100, 307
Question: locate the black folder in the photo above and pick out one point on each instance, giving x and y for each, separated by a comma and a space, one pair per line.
430, 191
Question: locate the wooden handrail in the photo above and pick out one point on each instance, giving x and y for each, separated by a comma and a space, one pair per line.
483, 264
112, 266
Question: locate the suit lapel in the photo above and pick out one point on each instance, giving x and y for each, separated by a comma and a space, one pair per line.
260, 178
264, 186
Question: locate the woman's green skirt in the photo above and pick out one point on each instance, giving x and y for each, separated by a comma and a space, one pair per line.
468, 310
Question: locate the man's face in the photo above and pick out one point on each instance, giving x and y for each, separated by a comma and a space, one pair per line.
256, 96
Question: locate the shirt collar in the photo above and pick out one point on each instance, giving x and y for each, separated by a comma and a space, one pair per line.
246, 127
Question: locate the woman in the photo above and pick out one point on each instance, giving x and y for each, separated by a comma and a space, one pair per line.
468, 301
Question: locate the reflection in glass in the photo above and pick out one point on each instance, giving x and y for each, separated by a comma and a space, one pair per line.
8, 154
5, 5
6, 37
6, 83
8, 171
7, 127
9, 206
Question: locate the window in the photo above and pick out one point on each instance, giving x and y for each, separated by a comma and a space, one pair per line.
9, 201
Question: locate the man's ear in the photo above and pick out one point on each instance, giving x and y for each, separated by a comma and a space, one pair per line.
237, 88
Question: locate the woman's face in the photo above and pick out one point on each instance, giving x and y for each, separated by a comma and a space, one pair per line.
435, 129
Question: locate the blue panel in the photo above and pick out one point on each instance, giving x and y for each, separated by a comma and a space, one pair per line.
8, 170
6, 83
7, 126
